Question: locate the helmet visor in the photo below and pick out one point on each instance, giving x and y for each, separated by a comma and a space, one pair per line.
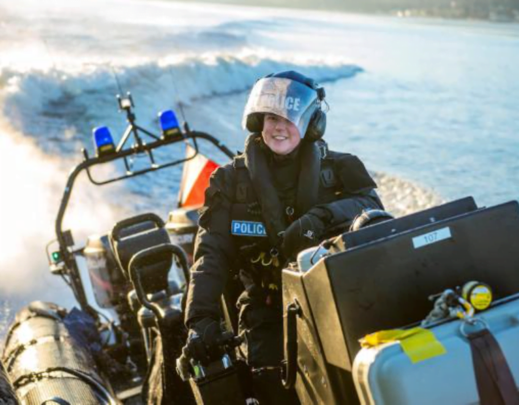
286, 98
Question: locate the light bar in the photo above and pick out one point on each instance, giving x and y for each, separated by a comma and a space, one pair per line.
103, 141
169, 123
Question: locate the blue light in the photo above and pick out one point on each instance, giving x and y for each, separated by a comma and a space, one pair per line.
169, 123
103, 141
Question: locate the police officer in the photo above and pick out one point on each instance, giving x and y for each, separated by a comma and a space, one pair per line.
285, 193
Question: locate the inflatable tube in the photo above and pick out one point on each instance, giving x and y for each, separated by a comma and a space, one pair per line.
48, 364
7, 395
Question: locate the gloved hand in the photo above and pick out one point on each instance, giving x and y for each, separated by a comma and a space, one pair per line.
305, 231
204, 341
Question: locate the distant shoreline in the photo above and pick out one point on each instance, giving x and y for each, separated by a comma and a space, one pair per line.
460, 10
456, 14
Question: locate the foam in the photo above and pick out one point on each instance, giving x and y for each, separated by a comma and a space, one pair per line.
31, 184
71, 95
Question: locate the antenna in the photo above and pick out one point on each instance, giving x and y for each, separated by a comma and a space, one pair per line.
180, 104
119, 88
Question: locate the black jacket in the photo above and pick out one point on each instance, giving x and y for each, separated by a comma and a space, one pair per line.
246, 211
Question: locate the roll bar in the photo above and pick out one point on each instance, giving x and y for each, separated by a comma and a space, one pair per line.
67, 261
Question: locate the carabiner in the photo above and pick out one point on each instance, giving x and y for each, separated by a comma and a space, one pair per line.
468, 310
266, 263
257, 259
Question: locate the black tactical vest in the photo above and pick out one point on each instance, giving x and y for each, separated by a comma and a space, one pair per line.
247, 226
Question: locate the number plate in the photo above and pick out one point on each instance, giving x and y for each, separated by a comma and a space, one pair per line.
431, 237
181, 239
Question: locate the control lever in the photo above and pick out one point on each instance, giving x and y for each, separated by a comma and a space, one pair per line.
188, 368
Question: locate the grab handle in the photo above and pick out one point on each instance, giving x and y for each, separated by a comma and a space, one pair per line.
290, 370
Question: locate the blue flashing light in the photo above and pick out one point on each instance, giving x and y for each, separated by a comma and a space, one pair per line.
103, 141
169, 123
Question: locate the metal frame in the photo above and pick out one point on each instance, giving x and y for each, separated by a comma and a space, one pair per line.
68, 256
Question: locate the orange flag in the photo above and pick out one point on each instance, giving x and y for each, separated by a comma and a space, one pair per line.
195, 179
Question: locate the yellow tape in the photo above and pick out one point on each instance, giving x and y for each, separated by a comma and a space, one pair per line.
418, 344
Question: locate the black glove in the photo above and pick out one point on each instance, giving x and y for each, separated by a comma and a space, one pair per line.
204, 341
305, 232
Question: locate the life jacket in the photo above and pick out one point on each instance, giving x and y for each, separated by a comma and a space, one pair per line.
340, 175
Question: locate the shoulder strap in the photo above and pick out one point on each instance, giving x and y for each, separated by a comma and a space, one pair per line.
308, 184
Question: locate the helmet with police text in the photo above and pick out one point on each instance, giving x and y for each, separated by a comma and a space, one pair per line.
290, 95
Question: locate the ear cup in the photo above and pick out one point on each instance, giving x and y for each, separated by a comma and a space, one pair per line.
316, 126
255, 123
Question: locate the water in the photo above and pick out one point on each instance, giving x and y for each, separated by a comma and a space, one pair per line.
427, 101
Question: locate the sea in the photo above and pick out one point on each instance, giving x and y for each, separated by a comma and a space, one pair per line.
430, 102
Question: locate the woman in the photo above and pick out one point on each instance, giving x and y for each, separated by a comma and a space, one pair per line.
285, 193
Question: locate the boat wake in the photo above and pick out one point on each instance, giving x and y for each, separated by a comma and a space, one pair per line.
59, 107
